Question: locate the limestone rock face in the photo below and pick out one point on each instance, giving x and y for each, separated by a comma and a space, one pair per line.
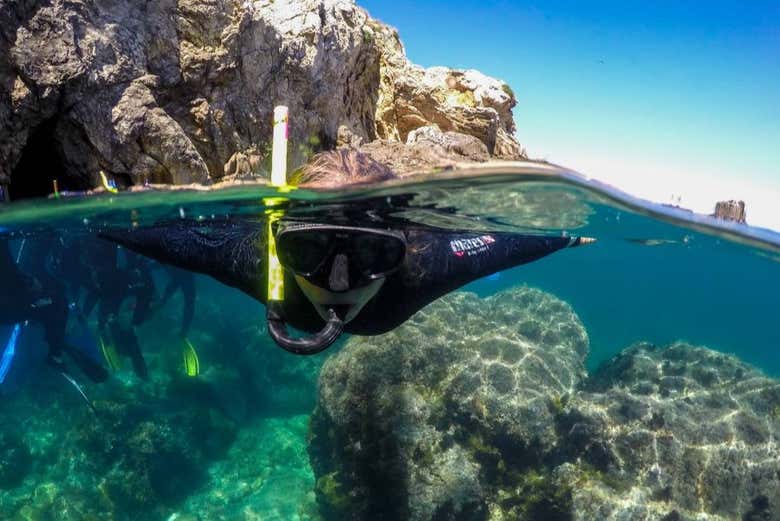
429, 421
449, 142
183, 91
468, 102
426, 149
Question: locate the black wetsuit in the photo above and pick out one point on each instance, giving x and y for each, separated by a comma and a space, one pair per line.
23, 297
40, 299
437, 262
184, 281
111, 284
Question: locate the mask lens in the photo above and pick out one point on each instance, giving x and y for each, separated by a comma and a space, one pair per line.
303, 252
369, 253
376, 254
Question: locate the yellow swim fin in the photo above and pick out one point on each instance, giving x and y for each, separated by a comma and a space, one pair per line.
109, 186
190, 356
111, 356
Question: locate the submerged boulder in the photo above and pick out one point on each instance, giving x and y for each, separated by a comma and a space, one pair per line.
679, 432
151, 458
435, 419
180, 92
479, 409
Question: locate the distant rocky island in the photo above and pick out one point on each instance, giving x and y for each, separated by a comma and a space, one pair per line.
731, 211
183, 92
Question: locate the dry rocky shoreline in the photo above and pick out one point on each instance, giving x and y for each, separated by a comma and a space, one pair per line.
183, 92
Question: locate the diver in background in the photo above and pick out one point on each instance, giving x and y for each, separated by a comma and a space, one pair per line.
36, 297
352, 270
184, 282
112, 283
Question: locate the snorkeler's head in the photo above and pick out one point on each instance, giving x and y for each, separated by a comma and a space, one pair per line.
339, 267
339, 168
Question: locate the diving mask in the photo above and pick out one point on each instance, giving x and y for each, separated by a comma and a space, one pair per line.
339, 258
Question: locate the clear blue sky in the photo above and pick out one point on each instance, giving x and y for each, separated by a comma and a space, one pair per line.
659, 97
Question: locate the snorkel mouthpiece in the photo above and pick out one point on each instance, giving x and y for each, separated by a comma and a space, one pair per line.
312, 345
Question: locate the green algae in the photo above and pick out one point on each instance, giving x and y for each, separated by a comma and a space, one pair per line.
558, 403
332, 492
537, 495
589, 474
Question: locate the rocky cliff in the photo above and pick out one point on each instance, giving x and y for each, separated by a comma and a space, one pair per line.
183, 91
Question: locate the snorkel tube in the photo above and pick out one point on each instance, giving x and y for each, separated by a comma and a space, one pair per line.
303, 346
277, 327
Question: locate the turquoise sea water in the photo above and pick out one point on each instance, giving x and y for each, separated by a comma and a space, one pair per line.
235, 441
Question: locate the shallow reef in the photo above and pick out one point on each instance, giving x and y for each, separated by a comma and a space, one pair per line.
674, 432
229, 444
480, 409
476, 409
265, 476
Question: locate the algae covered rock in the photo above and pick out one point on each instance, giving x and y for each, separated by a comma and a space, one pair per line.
156, 455
436, 419
480, 410
679, 432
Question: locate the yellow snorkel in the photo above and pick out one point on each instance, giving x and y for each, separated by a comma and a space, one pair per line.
278, 180
109, 186
275, 296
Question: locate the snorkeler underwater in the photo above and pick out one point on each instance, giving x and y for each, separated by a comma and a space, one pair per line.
341, 275
256, 264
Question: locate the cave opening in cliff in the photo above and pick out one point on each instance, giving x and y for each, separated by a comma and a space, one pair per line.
40, 164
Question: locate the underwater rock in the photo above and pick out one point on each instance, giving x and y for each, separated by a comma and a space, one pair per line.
679, 432
180, 92
265, 476
15, 460
730, 211
479, 410
138, 458
433, 420
154, 458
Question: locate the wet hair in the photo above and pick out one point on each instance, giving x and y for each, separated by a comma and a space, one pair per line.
340, 168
